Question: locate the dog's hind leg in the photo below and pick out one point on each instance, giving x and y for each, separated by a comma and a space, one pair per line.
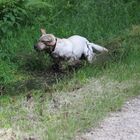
89, 54
91, 57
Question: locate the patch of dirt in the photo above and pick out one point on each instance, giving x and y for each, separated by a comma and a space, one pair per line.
123, 125
7, 134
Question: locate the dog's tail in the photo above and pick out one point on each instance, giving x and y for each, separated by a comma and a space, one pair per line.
97, 47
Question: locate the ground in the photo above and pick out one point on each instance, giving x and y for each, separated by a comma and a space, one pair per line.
74, 111
121, 125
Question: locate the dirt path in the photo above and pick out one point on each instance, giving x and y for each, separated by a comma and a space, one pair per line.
122, 125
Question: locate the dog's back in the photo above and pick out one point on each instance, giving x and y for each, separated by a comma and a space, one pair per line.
79, 44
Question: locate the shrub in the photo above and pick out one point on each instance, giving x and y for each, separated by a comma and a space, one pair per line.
12, 14
15, 13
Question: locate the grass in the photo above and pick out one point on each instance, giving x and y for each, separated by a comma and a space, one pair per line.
36, 101
77, 102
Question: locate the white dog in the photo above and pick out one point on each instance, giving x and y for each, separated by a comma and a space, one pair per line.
71, 49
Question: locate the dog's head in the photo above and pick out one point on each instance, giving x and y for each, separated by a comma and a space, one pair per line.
46, 42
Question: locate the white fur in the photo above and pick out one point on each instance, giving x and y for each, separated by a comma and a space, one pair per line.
74, 47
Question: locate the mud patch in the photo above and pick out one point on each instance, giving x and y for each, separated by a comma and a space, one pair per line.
38, 80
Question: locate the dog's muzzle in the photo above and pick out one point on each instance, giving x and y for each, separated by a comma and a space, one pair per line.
36, 48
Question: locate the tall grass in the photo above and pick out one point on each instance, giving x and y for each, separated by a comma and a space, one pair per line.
93, 19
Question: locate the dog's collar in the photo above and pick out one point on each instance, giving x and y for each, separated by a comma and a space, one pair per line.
54, 45
55, 42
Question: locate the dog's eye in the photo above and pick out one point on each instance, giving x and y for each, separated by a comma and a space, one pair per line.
49, 41
44, 42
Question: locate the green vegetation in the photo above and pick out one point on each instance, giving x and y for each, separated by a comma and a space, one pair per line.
34, 99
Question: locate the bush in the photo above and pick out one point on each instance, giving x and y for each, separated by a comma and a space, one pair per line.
15, 13
12, 14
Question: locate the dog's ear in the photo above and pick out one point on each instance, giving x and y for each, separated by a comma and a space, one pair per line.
46, 38
43, 31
